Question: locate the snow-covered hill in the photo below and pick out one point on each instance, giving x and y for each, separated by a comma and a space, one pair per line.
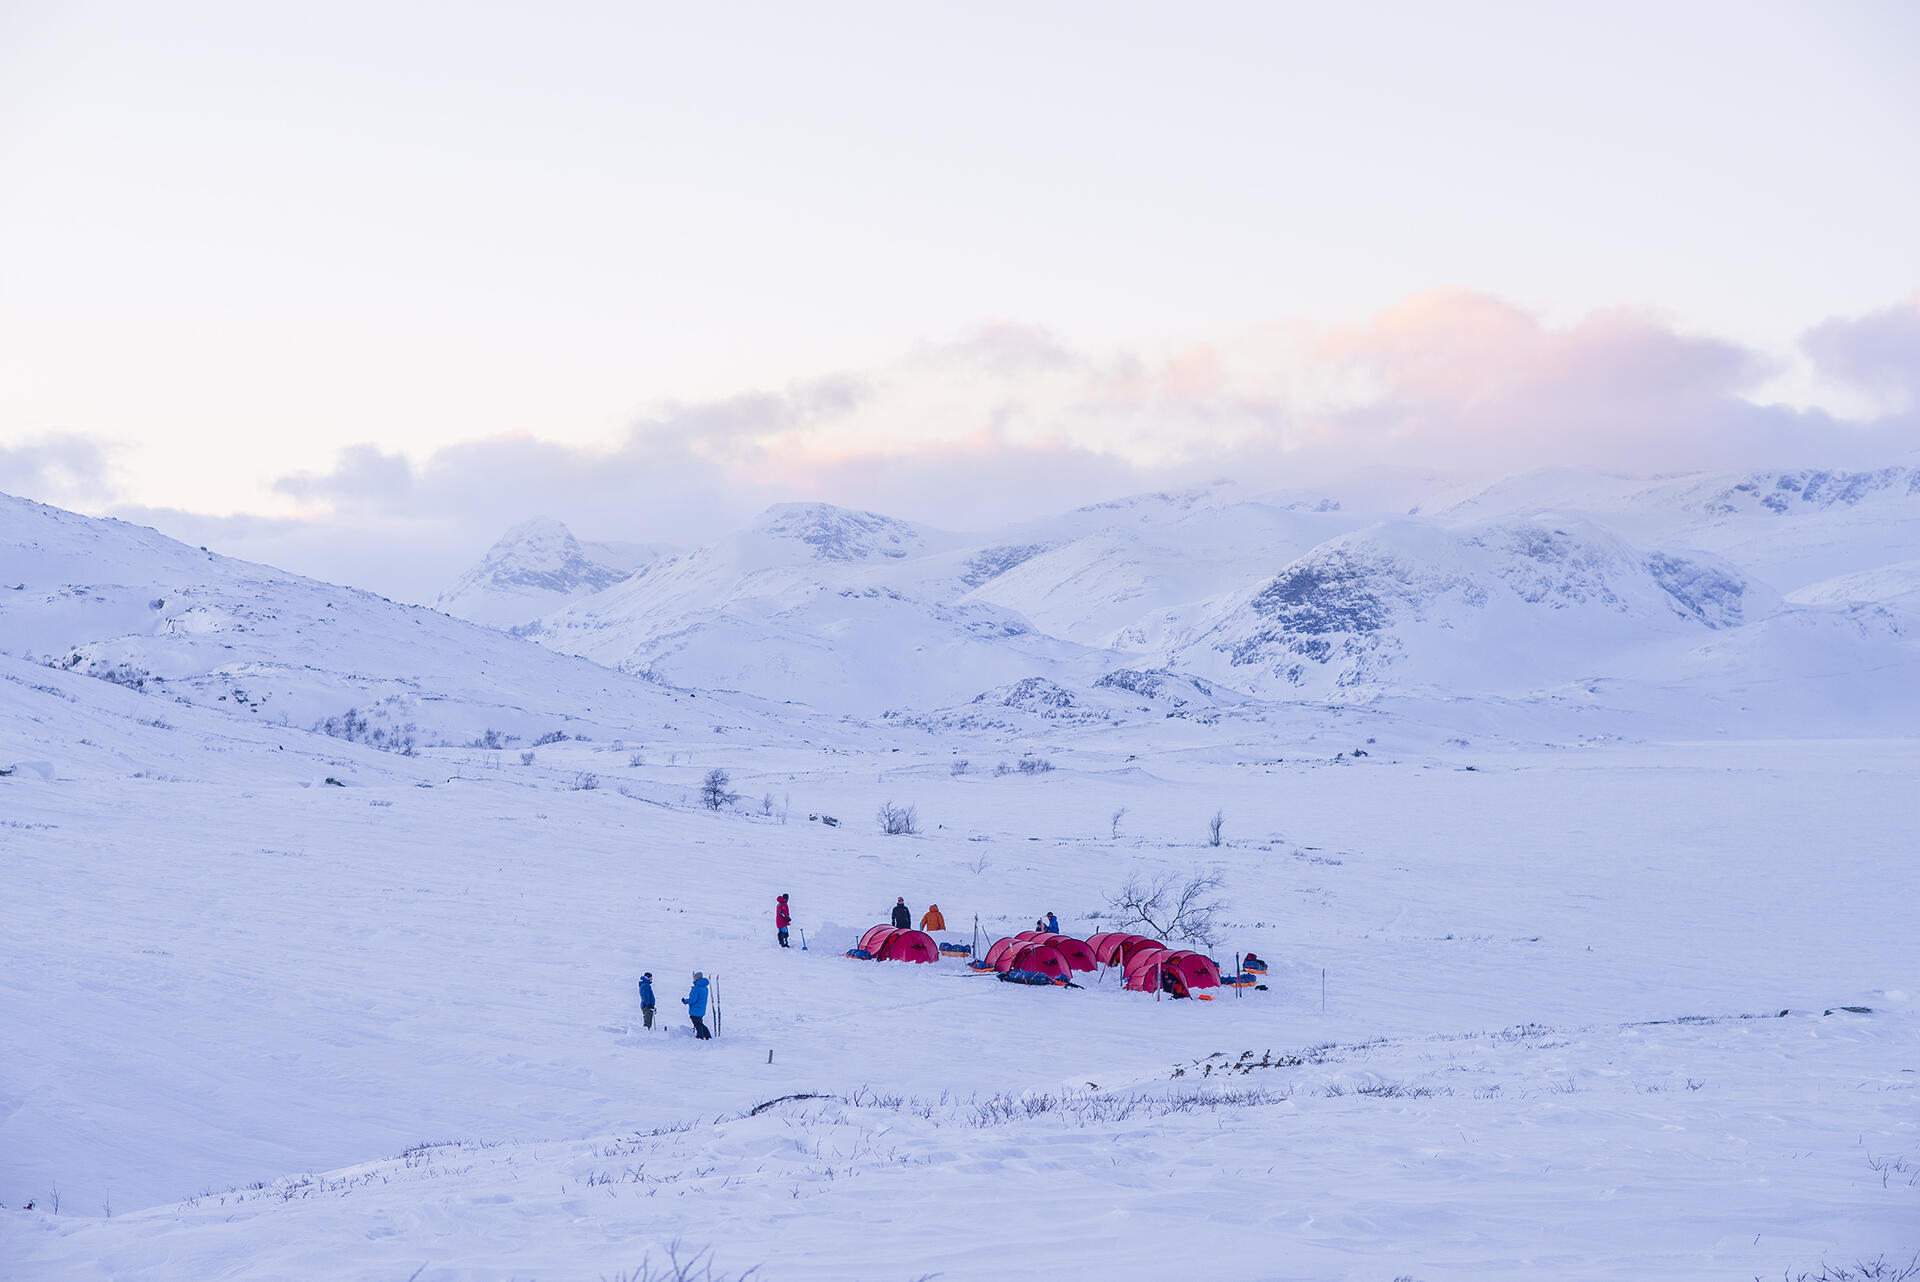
843, 611
126, 604
1503, 608
1788, 529
537, 567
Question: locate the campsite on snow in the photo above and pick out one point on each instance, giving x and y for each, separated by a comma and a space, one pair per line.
1512, 882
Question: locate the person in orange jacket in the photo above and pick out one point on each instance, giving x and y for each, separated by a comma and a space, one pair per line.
931, 919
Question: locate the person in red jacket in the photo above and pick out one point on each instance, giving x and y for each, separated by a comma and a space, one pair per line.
782, 919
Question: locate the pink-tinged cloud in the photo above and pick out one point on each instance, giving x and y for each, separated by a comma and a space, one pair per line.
1465, 378
1008, 423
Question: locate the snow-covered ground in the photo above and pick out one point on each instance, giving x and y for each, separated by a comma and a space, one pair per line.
287, 1029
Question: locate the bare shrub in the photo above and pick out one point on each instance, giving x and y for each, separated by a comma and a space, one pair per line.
697, 1267
551, 736
586, 781
1880, 1269
526, 758
898, 821
1166, 907
1113, 829
637, 760
1035, 765
713, 789
1213, 827
959, 767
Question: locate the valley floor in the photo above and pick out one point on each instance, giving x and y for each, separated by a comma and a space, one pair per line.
389, 1029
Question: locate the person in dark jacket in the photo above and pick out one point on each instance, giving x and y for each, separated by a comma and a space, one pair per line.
902, 915
1053, 924
646, 999
782, 919
696, 1004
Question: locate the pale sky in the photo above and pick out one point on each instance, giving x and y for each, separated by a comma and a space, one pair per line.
311, 279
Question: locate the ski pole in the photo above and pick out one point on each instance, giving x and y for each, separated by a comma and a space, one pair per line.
803, 939
716, 1007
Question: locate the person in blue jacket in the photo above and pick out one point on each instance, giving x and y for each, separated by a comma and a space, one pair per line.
696, 1004
646, 999
1053, 924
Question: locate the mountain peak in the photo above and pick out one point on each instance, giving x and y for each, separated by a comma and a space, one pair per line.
841, 534
537, 567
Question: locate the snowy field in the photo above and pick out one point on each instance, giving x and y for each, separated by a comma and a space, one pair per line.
1590, 918
390, 1028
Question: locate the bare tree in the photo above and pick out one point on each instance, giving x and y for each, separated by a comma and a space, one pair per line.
1118, 815
897, 821
1166, 907
1213, 827
713, 790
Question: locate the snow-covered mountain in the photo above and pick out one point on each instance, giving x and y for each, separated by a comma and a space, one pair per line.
842, 610
1503, 608
537, 567
1522, 589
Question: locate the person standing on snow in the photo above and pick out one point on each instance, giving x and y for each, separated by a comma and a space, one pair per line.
902, 915
931, 919
1053, 924
782, 919
696, 1004
646, 999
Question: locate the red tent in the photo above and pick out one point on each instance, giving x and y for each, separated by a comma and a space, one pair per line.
1078, 955
1099, 944
1143, 968
908, 946
1001, 953
1132, 946
1194, 970
1197, 969
876, 937
1043, 958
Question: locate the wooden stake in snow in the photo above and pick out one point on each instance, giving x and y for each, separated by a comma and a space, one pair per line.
715, 984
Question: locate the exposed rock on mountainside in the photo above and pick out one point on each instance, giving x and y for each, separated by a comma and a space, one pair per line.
1812, 490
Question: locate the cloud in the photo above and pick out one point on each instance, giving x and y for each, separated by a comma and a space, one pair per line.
1878, 353
58, 468
1009, 422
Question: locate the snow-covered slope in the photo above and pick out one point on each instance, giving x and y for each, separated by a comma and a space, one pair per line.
840, 610
1127, 577
538, 567
127, 604
389, 1029
1501, 608
1789, 529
